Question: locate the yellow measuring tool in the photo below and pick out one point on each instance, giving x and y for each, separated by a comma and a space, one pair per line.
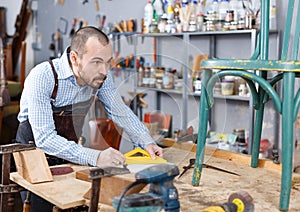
140, 156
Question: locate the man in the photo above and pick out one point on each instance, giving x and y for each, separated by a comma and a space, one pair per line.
58, 94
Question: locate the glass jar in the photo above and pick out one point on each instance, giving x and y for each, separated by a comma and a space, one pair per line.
210, 26
168, 79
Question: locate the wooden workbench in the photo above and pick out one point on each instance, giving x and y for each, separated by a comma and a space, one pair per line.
262, 183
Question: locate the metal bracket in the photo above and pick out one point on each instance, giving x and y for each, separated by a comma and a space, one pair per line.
11, 188
97, 173
16, 147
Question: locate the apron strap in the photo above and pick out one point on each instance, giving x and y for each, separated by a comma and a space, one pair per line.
54, 92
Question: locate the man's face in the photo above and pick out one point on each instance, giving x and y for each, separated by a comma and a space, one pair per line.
91, 68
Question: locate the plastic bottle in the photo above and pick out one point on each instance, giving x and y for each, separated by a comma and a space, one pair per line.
148, 16
224, 6
197, 83
170, 9
146, 75
140, 74
152, 79
215, 8
158, 6
236, 6
184, 10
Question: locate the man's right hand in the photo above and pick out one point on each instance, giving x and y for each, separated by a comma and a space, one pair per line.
110, 157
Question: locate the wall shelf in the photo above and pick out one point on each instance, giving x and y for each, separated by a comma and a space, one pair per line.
186, 37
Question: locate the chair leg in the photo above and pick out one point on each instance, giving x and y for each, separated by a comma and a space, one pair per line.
257, 136
202, 131
287, 139
259, 115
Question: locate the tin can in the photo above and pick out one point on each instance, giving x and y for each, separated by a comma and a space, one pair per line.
240, 132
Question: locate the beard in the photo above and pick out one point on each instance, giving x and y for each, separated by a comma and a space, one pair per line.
96, 82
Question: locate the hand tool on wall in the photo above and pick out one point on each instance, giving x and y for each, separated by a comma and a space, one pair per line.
52, 47
62, 25
36, 45
240, 201
102, 22
73, 27
96, 5
162, 192
61, 2
118, 27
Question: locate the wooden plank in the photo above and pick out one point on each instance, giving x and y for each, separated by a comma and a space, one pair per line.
32, 166
65, 191
110, 186
226, 155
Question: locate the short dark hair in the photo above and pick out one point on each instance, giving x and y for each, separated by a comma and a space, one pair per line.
81, 36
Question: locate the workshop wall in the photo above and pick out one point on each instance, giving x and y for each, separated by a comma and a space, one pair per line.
53, 17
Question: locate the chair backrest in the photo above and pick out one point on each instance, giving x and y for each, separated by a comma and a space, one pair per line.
104, 133
291, 35
9, 63
290, 42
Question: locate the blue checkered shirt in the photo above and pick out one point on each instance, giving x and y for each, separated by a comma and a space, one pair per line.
36, 107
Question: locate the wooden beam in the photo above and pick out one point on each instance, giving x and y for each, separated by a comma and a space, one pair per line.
223, 154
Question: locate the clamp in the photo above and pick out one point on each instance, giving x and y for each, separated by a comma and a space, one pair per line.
96, 174
7, 188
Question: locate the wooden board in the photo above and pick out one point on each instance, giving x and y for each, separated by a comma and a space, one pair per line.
226, 155
32, 166
110, 186
65, 191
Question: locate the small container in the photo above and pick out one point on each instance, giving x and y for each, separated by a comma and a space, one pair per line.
178, 84
241, 24
233, 25
217, 88
227, 87
210, 26
200, 19
211, 15
192, 26
170, 27
226, 26
243, 91
162, 23
153, 28
197, 86
168, 79
240, 132
229, 15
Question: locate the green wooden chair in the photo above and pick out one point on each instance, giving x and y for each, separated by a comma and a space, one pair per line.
287, 104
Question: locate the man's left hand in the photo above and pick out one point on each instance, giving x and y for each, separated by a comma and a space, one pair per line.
154, 150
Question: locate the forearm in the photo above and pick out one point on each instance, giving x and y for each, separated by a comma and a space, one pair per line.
58, 146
